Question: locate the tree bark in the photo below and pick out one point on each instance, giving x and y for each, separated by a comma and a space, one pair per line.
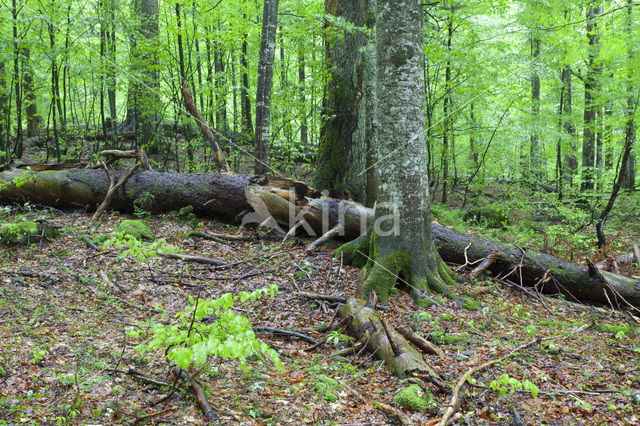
399, 244
590, 99
145, 97
535, 157
31, 106
343, 92
245, 102
262, 136
288, 201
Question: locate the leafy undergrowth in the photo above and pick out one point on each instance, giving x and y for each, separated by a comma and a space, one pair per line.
539, 221
71, 319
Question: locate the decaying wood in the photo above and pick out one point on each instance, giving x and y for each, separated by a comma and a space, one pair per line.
388, 409
113, 186
258, 200
189, 258
208, 134
322, 297
407, 362
332, 233
198, 392
422, 343
484, 265
281, 332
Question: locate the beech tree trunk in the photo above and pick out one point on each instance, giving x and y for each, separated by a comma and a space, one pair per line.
262, 136
251, 199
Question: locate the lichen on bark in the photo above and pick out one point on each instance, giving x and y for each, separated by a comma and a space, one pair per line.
398, 247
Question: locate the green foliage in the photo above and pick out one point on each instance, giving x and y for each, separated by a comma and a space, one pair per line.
143, 204
327, 387
210, 328
491, 217
336, 338
505, 384
133, 247
24, 232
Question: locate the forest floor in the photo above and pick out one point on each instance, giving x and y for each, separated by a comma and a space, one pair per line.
66, 355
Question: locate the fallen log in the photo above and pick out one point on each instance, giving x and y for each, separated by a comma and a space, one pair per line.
288, 203
388, 345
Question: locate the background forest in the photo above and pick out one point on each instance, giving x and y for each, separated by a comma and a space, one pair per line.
531, 110
544, 91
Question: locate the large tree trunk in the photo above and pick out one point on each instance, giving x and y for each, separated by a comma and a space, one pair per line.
287, 201
262, 136
343, 93
147, 105
398, 245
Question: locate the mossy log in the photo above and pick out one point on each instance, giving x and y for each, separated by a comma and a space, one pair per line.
406, 362
287, 202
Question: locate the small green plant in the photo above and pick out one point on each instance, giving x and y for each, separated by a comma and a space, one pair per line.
38, 355
210, 328
505, 384
336, 338
143, 204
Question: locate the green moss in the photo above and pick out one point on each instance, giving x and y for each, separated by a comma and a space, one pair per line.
383, 276
25, 232
100, 239
449, 339
409, 397
354, 252
626, 329
470, 304
136, 228
327, 387
184, 212
3, 373
487, 216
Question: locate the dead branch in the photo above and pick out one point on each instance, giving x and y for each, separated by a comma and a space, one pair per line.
188, 258
323, 297
387, 409
208, 134
198, 392
113, 186
422, 343
484, 265
281, 332
333, 232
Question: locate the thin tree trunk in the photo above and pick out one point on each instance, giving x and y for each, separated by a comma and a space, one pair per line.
473, 155
245, 102
31, 106
304, 138
262, 134
17, 148
629, 179
4, 112
590, 99
570, 160
111, 64
536, 165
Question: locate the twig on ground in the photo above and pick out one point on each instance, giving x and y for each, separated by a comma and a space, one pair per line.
456, 400
143, 419
422, 343
281, 332
188, 258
